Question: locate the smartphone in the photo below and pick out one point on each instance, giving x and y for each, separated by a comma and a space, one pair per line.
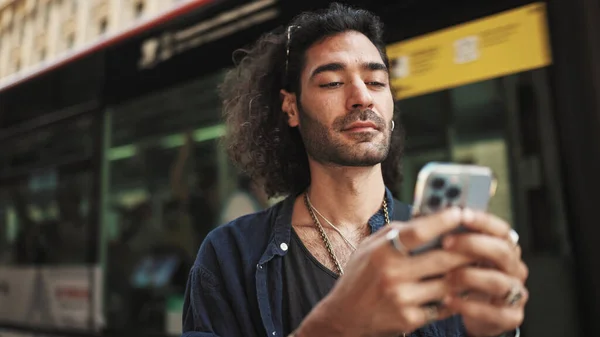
442, 185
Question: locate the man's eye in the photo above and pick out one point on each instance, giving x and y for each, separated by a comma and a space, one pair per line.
377, 84
331, 85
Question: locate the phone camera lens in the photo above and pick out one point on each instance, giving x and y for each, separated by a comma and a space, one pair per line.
452, 192
438, 183
434, 201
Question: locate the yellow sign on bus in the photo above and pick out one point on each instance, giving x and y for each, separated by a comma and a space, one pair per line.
498, 45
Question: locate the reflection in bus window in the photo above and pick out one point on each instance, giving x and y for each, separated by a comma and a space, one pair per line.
169, 181
48, 225
45, 193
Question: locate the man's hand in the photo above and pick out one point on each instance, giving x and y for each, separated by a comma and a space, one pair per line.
487, 309
384, 291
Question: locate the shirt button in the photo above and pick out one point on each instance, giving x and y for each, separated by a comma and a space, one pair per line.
283, 246
259, 266
274, 333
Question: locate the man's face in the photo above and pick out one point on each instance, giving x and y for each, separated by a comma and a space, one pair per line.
346, 106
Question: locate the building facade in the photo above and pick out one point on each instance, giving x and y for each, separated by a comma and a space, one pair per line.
34, 33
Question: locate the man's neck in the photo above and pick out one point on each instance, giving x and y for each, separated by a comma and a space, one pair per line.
346, 196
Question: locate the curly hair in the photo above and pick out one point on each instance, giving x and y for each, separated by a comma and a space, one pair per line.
259, 139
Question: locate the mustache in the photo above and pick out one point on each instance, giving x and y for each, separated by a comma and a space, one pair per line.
358, 115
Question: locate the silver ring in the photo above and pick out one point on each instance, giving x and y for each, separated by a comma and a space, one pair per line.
394, 238
514, 237
514, 295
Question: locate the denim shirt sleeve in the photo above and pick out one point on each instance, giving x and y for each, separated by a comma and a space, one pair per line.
206, 305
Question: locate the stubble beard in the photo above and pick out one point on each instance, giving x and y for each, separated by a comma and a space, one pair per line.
329, 146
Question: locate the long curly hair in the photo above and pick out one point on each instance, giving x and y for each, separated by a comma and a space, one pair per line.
258, 139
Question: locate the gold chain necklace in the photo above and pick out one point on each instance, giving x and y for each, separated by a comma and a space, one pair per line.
330, 224
324, 235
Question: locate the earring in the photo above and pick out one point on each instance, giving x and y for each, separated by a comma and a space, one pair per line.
393, 125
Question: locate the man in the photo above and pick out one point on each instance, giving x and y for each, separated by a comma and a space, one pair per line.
310, 112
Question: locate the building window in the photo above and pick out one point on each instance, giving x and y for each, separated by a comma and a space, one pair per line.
70, 40
139, 9
103, 25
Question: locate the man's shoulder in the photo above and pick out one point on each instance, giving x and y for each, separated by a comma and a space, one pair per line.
246, 235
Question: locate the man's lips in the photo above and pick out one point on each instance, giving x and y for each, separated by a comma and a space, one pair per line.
361, 126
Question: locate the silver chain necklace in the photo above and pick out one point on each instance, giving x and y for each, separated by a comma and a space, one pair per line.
324, 235
330, 224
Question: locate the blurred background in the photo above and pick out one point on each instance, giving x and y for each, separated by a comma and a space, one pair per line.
112, 173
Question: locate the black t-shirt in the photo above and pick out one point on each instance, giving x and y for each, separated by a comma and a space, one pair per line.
305, 282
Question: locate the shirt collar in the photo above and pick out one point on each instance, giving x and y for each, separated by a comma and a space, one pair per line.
282, 225
378, 219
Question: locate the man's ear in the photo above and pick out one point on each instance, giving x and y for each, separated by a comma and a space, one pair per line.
290, 107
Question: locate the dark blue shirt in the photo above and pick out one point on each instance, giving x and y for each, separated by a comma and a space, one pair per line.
235, 287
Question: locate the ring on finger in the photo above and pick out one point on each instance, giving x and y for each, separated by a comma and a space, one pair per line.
394, 239
514, 295
513, 237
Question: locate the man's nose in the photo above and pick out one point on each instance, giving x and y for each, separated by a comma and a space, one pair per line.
359, 96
